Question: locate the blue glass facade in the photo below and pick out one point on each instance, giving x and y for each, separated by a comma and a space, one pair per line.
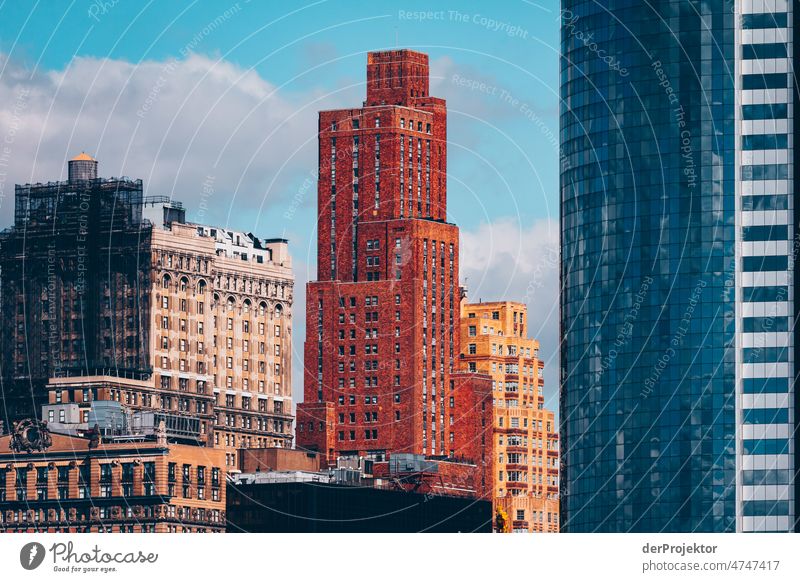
649, 233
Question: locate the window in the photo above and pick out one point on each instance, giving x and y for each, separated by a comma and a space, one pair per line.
473, 331
764, 20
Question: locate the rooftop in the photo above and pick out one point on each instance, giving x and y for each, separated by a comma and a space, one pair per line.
83, 157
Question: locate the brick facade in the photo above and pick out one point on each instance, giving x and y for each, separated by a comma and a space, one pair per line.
472, 425
139, 486
278, 459
382, 316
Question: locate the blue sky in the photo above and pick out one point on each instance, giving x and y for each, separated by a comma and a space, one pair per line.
226, 93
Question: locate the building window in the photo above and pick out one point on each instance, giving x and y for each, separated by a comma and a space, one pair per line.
149, 478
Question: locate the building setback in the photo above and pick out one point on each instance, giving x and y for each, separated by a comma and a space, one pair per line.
525, 438
108, 292
382, 317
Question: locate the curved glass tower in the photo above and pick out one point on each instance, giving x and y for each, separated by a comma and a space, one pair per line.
676, 216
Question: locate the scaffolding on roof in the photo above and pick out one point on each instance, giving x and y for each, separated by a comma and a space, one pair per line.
76, 270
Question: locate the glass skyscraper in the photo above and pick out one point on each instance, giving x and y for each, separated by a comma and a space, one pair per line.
678, 244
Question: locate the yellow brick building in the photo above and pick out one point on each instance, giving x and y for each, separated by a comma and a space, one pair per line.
494, 342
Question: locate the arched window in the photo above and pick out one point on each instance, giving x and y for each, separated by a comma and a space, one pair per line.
278, 310
184, 283
201, 286
262, 309
165, 282
246, 305
231, 303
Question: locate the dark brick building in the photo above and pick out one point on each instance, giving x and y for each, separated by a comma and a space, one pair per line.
383, 315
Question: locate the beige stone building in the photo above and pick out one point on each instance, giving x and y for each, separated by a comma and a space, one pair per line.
222, 326
494, 341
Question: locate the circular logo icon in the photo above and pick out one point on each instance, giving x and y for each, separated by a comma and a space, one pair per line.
31, 555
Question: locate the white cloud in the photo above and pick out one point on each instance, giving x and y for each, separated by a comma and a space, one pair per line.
173, 123
506, 260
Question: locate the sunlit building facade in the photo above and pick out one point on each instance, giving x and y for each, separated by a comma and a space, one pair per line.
524, 436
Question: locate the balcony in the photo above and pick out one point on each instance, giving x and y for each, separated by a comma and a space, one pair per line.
513, 430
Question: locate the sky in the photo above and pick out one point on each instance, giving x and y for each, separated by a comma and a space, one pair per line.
215, 104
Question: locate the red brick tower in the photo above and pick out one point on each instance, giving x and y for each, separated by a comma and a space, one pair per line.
383, 316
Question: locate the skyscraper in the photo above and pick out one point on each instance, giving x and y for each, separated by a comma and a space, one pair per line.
382, 316
677, 364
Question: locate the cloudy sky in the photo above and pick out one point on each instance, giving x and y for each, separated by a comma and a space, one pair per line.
215, 104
